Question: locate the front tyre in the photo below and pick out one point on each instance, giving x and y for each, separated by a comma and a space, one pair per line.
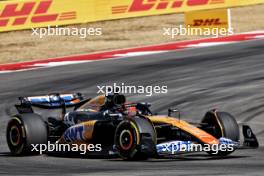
23, 130
221, 124
135, 139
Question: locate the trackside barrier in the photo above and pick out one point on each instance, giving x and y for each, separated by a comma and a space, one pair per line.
26, 14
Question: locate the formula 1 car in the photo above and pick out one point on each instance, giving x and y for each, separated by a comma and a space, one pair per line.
127, 129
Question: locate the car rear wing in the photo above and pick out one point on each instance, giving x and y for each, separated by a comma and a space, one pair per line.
51, 101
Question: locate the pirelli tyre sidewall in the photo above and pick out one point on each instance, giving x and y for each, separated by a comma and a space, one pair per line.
23, 130
135, 139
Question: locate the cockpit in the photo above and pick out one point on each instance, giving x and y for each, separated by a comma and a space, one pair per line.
115, 103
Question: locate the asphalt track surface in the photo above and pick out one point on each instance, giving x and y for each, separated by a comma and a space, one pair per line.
228, 77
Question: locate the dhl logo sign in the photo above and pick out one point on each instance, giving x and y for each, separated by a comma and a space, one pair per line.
208, 22
20, 13
146, 5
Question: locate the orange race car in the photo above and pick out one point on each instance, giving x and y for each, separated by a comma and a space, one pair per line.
110, 126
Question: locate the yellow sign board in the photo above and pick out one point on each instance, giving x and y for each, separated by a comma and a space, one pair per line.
26, 14
135, 8
218, 18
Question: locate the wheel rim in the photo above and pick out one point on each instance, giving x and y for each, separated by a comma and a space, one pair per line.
14, 135
126, 139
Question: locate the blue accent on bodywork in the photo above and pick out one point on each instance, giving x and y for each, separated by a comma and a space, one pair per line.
52, 100
227, 141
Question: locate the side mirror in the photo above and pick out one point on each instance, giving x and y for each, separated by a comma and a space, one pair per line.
111, 115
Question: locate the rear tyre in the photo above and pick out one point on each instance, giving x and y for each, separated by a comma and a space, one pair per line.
135, 139
221, 124
23, 130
